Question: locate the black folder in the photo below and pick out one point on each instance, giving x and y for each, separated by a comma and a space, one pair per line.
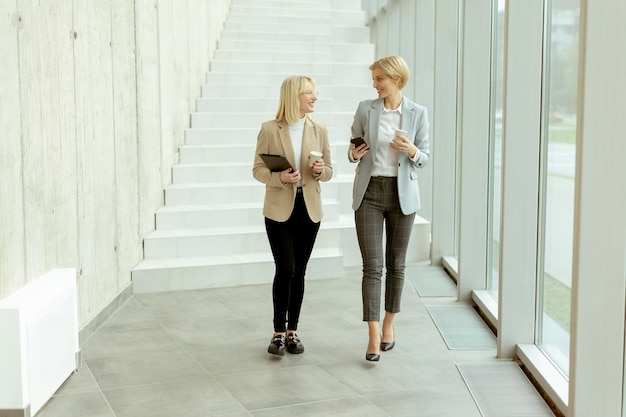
275, 162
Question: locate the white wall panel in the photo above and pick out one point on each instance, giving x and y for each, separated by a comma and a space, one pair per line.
474, 146
444, 127
523, 59
599, 268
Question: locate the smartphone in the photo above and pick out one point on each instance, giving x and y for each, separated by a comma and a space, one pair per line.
357, 141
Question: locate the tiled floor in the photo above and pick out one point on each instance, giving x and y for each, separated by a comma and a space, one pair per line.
203, 353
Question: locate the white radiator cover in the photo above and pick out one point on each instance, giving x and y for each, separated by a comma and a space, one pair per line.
38, 341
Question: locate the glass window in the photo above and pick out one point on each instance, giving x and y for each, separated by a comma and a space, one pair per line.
558, 177
495, 171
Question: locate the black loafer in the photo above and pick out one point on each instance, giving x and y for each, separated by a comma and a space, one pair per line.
294, 345
277, 345
384, 346
372, 357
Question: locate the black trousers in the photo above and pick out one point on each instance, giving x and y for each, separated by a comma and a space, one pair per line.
292, 243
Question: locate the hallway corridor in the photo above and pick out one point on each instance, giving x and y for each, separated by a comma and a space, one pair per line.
203, 353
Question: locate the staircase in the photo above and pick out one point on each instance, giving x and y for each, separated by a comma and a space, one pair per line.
211, 232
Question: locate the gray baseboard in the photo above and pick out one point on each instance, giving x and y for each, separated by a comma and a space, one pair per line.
89, 328
16, 413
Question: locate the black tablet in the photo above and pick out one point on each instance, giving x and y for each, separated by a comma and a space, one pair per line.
275, 162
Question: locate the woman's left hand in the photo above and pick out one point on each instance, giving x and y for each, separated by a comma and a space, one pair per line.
318, 167
402, 144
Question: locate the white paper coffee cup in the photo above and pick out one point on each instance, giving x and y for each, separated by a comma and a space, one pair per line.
401, 132
314, 156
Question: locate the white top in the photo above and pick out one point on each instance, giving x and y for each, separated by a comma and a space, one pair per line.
296, 132
386, 159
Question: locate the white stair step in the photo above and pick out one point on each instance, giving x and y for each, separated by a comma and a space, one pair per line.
271, 16
225, 271
269, 55
264, 66
314, 27
277, 36
197, 162
180, 243
249, 119
235, 192
334, 18
224, 152
229, 105
353, 53
226, 215
240, 170
351, 94
199, 173
354, 34
284, 45
265, 105
348, 18
242, 77
345, 5
244, 137
260, 10
230, 135
227, 152
286, 4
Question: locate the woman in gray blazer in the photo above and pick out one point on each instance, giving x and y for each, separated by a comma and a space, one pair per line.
293, 202
386, 191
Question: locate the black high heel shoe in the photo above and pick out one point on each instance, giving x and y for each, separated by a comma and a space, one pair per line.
385, 346
372, 357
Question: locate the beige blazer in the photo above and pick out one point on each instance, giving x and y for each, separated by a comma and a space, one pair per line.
279, 201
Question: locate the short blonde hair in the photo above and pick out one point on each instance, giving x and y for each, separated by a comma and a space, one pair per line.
393, 66
290, 90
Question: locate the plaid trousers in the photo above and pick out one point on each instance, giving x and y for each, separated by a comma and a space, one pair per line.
381, 206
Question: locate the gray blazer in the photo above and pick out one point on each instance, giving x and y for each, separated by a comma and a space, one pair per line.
415, 122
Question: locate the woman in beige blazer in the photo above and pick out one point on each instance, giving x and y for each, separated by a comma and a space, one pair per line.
293, 202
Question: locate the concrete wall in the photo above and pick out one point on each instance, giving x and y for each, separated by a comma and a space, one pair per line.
94, 99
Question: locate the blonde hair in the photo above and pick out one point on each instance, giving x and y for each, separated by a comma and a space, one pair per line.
290, 90
394, 67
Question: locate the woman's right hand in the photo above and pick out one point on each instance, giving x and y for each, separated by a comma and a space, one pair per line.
358, 152
289, 176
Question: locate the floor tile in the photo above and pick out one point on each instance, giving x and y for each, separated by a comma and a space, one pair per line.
185, 306
391, 373
451, 400
295, 385
81, 381
108, 344
431, 282
347, 407
193, 397
131, 315
91, 404
461, 327
140, 368
502, 389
